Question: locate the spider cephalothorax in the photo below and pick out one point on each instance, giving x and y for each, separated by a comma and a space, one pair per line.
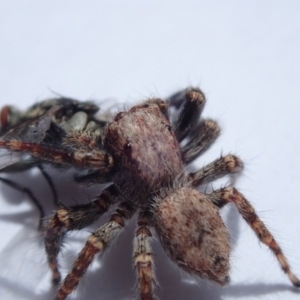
144, 149
142, 156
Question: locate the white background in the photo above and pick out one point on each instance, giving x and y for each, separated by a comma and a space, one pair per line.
245, 57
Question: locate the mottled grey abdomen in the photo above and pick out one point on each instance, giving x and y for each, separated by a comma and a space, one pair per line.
194, 234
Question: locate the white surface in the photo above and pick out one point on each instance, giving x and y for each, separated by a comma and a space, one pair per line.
245, 57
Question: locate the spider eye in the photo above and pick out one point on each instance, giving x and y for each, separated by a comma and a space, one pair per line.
169, 127
127, 148
119, 116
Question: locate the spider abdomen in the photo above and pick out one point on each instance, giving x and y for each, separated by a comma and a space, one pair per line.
193, 234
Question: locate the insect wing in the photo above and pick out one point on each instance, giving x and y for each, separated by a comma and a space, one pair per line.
11, 162
33, 130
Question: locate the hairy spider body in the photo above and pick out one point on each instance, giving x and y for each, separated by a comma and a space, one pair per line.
145, 151
193, 233
142, 156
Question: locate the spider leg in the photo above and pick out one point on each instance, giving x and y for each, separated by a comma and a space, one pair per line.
176, 99
190, 113
207, 132
73, 218
143, 260
96, 243
95, 158
29, 194
228, 164
227, 195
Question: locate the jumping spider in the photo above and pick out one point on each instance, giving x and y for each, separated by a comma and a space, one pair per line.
142, 157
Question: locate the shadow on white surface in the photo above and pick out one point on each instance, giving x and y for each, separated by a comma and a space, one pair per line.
24, 273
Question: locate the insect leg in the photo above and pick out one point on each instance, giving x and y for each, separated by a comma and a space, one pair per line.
50, 182
29, 194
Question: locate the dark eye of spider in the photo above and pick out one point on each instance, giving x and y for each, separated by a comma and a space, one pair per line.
127, 148
119, 116
169, 127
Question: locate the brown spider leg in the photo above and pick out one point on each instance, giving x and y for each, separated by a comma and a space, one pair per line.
85, 157
207, 132
227, 195
143, 260
73, 218
176, 99
225, 165
96, 243
29, 194
190, 113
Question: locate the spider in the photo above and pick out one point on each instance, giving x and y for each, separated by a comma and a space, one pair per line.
142, 157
